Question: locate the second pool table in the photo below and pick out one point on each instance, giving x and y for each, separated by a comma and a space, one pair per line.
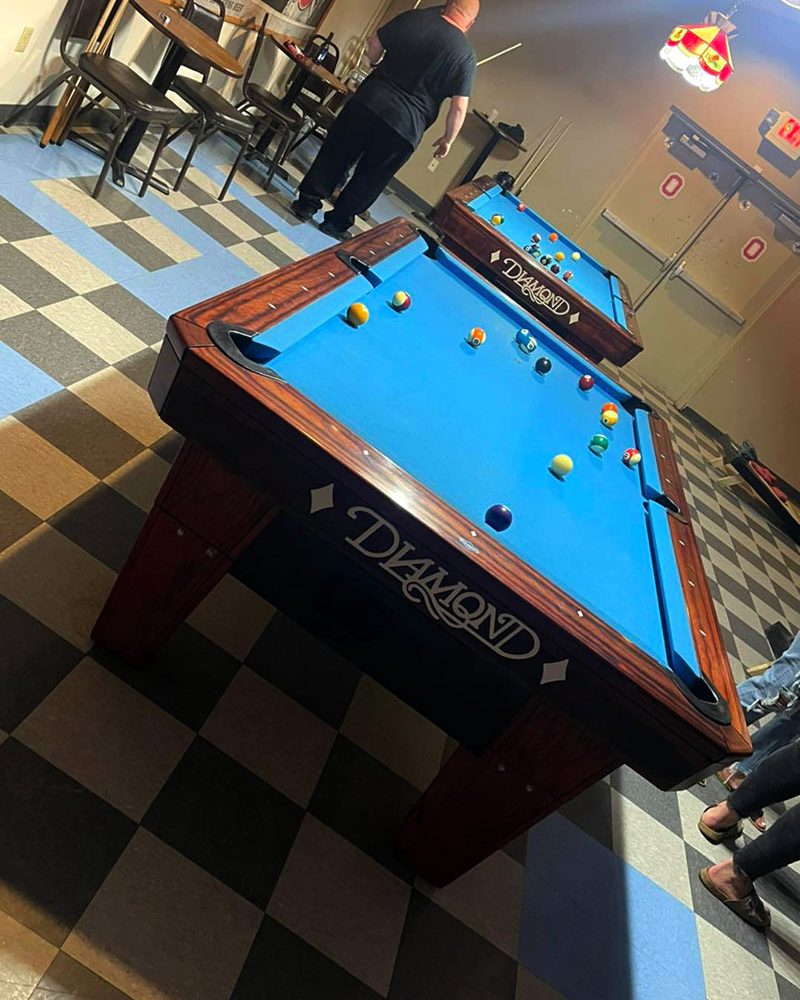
345, 473
593, 311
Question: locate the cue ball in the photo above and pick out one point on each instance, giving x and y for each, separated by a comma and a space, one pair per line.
561, 465
543, 365
585, 383
401, 301
357, 314
631, 457
498, 220
609, 418
576, 256
498, 517
476, 336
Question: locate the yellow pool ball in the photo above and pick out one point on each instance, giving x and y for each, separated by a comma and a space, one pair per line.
561, 465
498, 220
576, 256
357, 314
559, 255
476, 336
609, 418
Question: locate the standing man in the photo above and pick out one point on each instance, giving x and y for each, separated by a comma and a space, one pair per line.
422, 57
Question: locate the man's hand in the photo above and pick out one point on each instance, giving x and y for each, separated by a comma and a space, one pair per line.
441, 147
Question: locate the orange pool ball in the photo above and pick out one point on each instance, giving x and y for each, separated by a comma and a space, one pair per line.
476, 337
559, 255
357, 314
608, 406
553, 237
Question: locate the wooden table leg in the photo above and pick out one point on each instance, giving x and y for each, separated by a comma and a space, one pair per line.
203, 518
478, 804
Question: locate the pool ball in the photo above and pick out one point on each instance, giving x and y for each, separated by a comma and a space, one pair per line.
536, 253
476, 337
608, 406
576, 256
561, 465
498, 517
609, 418
546, 259
498, 220
401, 301
526, 340
559, 255
555, 268
357, 314
521, 208
585, 383
543, 365
569, 275
631, 457
553, 237
598, 444
536, 238
528, 248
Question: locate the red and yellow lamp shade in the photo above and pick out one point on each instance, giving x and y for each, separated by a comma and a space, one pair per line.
701, 53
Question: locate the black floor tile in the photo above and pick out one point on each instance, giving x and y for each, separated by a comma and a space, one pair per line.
138, 367
591, 811
49, 347
439, 957
365, 802
305, 668
168, 446
130, 312
662, 806
67, 979
58, 841
739, 590
227, 820
103, 523
518, 848
281, 966
186, 676
787, 990
33, 661
15, 521
719, 916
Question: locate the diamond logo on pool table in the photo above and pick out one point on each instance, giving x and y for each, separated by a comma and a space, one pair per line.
321, 499
495, 257
554, 672
574, 318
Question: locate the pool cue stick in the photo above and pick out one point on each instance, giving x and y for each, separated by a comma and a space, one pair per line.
99, 43
497, 55
539, 146
546, 156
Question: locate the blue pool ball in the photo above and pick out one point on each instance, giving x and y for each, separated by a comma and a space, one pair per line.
526, 340
543, 366
498, 517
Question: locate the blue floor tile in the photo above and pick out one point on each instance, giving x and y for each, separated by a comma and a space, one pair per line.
595, 928
175, 288
38, 206
21, 383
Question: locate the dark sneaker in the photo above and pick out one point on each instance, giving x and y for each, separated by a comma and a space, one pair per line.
299, 211
330, 230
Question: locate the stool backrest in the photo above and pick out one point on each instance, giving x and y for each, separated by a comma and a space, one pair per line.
209, 16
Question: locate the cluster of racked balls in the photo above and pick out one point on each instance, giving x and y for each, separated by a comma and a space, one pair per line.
553, 261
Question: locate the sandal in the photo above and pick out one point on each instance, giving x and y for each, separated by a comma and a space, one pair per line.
759, 822
718, 836
757, 819
750, 908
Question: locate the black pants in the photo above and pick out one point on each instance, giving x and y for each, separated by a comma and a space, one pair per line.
776, 778
357, 134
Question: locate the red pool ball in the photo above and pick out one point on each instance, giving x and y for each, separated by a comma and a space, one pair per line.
586, 382
401, 301
521, 207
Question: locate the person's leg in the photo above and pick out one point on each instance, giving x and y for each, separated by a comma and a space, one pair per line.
384, 154
777, 733
776, 689
343, 145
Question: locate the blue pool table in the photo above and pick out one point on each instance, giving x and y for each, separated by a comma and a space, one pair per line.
346, 473
493, 232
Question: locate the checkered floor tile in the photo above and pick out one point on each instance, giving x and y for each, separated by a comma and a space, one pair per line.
220, 824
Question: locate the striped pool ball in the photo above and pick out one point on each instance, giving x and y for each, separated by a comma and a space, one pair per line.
476, 336
609, 418
498, 220
401, 301
631, 457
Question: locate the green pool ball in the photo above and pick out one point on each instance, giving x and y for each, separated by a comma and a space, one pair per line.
598, 444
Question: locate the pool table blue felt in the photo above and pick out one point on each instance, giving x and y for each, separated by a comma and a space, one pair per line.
479, 427
593, 281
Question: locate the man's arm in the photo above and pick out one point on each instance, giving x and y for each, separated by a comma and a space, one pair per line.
375, 50
455, 119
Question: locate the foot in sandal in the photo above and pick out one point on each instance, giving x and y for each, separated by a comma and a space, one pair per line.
731, 779
719, 823
733, 888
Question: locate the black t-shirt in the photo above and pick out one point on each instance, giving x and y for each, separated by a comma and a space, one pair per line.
427, 60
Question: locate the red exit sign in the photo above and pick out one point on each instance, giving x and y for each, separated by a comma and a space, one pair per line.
785, 134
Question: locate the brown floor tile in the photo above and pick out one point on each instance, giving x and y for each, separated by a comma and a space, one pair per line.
24, 956
15, 521
160, 928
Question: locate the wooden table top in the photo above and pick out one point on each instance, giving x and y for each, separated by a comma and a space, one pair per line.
177, 28
290, 48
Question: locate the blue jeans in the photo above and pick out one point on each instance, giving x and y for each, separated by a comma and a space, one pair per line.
776, 690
